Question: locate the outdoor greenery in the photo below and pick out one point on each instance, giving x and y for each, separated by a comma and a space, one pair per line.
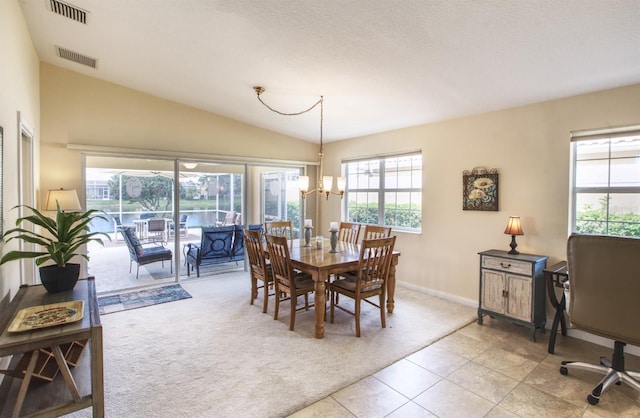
592, 220
401, 216
157, 191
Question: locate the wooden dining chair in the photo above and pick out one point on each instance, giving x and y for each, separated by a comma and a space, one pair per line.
288, 283
259, 270
279, 229
349, 232
376, 231
370, 232
370, 279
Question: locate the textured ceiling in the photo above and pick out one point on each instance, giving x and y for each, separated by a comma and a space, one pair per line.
380, 64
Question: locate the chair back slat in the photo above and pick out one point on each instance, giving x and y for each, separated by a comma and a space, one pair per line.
255, 251
349, 232
376, 231
279, 229
374, 263
280, 259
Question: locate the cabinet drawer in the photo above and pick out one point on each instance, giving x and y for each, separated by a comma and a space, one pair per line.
503, 264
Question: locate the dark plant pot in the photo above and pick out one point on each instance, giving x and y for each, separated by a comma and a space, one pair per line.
58, 279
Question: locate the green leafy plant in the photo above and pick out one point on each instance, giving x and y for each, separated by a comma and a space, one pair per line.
66, 235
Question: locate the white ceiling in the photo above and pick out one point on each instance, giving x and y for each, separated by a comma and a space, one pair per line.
380, 64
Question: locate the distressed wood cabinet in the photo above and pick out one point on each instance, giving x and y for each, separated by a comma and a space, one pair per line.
512, 286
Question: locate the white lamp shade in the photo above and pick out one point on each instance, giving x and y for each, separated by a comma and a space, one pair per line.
341, 182
327, 182
303, 183
67, 199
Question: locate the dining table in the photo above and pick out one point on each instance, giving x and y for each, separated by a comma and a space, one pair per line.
317, 260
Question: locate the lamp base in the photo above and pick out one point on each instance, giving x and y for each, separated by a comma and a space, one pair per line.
513, 245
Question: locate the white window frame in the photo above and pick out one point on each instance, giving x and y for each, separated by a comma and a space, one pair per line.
593, 135
382, 189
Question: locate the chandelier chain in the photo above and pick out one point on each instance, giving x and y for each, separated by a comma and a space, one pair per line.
325, 183
260, 90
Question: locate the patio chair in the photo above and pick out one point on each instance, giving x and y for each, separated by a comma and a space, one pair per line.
229, 219
216, 246
183, 227
144, 255
157, 230
118, 225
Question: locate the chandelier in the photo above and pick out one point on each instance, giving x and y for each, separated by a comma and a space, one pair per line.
325, 183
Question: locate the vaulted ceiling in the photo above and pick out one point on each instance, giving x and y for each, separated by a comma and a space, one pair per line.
380, 64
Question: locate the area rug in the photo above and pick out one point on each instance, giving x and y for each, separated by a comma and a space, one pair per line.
141, 298
216, 355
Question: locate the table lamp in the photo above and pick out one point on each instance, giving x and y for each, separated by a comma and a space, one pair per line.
67, 199
514, 228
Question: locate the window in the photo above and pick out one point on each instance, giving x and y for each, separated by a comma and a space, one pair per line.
606, 181
385, 191
281, 197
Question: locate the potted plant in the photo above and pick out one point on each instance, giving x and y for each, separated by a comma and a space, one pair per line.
63, 239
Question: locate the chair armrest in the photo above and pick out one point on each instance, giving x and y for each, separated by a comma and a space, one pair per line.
193, 250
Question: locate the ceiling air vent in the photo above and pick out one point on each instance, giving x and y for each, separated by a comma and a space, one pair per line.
67, 10
76, 57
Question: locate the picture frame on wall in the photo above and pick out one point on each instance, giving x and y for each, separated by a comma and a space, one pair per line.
480, 189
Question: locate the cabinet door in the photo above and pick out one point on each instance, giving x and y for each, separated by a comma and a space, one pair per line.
519, 297
493, 283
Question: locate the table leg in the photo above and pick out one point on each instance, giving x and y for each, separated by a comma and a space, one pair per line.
97, 372
22, 392
319, 305
391, 285
558, 319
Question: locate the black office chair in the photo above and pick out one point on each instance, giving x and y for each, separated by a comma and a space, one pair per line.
604, 276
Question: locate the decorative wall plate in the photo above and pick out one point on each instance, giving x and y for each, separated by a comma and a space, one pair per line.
44, 316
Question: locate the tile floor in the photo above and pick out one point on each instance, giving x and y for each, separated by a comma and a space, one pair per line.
489, 370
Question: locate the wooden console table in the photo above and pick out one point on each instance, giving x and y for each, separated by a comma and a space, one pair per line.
77, 389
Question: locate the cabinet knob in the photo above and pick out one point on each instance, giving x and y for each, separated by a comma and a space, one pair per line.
505, 266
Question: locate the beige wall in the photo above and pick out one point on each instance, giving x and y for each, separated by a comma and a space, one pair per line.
528, 145
19, 92
77, 109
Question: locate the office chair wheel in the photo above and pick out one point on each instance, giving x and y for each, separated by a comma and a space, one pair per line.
564, 371
592, 400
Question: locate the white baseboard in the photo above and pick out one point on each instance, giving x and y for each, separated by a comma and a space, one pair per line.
581, 335
441, 295
605, 342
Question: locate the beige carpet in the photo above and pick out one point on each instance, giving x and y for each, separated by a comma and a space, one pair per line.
216, 355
